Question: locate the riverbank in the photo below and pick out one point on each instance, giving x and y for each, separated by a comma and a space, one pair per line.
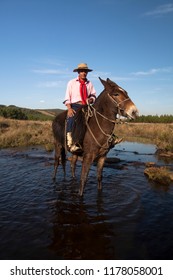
158, 134
15, 133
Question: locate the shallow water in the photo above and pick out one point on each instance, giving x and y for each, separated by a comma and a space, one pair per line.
131, 218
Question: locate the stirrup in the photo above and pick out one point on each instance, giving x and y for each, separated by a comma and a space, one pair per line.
117, 141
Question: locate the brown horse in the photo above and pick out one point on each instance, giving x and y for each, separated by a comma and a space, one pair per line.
94, 129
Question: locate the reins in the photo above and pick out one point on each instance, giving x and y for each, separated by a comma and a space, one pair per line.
91, 111
90, 114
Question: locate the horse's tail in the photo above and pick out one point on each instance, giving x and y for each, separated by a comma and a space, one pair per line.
58, 128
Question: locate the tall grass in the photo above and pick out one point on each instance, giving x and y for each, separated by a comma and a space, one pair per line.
15, 133
159, 134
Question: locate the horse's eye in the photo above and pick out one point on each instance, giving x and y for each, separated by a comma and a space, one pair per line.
116, 94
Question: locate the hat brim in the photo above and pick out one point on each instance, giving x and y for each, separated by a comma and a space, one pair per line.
79, 69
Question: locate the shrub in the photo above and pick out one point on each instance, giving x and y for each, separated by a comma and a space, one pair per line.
12, 113
158, 174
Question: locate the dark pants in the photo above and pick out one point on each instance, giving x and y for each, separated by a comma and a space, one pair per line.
70, 120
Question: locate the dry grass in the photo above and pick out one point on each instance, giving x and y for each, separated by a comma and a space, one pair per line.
159, 134
160, 175
14, 133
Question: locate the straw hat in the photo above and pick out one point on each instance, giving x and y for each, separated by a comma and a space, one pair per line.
82, 66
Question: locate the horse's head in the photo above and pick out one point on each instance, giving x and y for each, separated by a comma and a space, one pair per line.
125, 106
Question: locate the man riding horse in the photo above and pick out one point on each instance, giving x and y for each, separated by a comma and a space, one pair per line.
80, 91
94, 128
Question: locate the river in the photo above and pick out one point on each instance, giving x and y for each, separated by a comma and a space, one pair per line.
131, 218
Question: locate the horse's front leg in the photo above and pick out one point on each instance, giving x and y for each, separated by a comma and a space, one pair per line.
73, 164
87, 160
100, 165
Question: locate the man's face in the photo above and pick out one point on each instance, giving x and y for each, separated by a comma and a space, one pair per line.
83, 74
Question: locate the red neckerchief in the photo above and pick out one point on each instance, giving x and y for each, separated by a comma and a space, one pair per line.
83, 91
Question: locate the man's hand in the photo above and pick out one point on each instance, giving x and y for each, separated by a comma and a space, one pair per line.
89, 100
71, 112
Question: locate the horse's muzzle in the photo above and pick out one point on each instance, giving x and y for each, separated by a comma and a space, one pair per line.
132, 113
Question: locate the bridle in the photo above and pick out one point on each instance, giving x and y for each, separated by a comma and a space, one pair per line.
91, 111
118, 103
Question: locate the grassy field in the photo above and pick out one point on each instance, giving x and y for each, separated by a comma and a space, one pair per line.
155, 133
14, 133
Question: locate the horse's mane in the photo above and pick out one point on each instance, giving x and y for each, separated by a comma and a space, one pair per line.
100, 100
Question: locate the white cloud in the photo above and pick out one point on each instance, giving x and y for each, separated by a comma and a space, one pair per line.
105, 75
145, 73
51, 84
118, 78
49, 71
160, 10
97, 74
153, 71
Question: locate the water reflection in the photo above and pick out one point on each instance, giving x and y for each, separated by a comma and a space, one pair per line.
133, 151
91, 228
78, 235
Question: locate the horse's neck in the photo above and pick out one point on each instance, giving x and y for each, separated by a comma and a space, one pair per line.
105, 107
106, 115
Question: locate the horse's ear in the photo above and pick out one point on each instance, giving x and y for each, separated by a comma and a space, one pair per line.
105, 83
111, 83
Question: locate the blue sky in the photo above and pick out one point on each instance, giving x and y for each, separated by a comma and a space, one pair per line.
128, 41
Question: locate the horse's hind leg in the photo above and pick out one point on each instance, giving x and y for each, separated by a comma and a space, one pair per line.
59, 154
63, 159
100, 165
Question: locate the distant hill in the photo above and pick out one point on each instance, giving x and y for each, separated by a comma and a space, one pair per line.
50, 112
14, 112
